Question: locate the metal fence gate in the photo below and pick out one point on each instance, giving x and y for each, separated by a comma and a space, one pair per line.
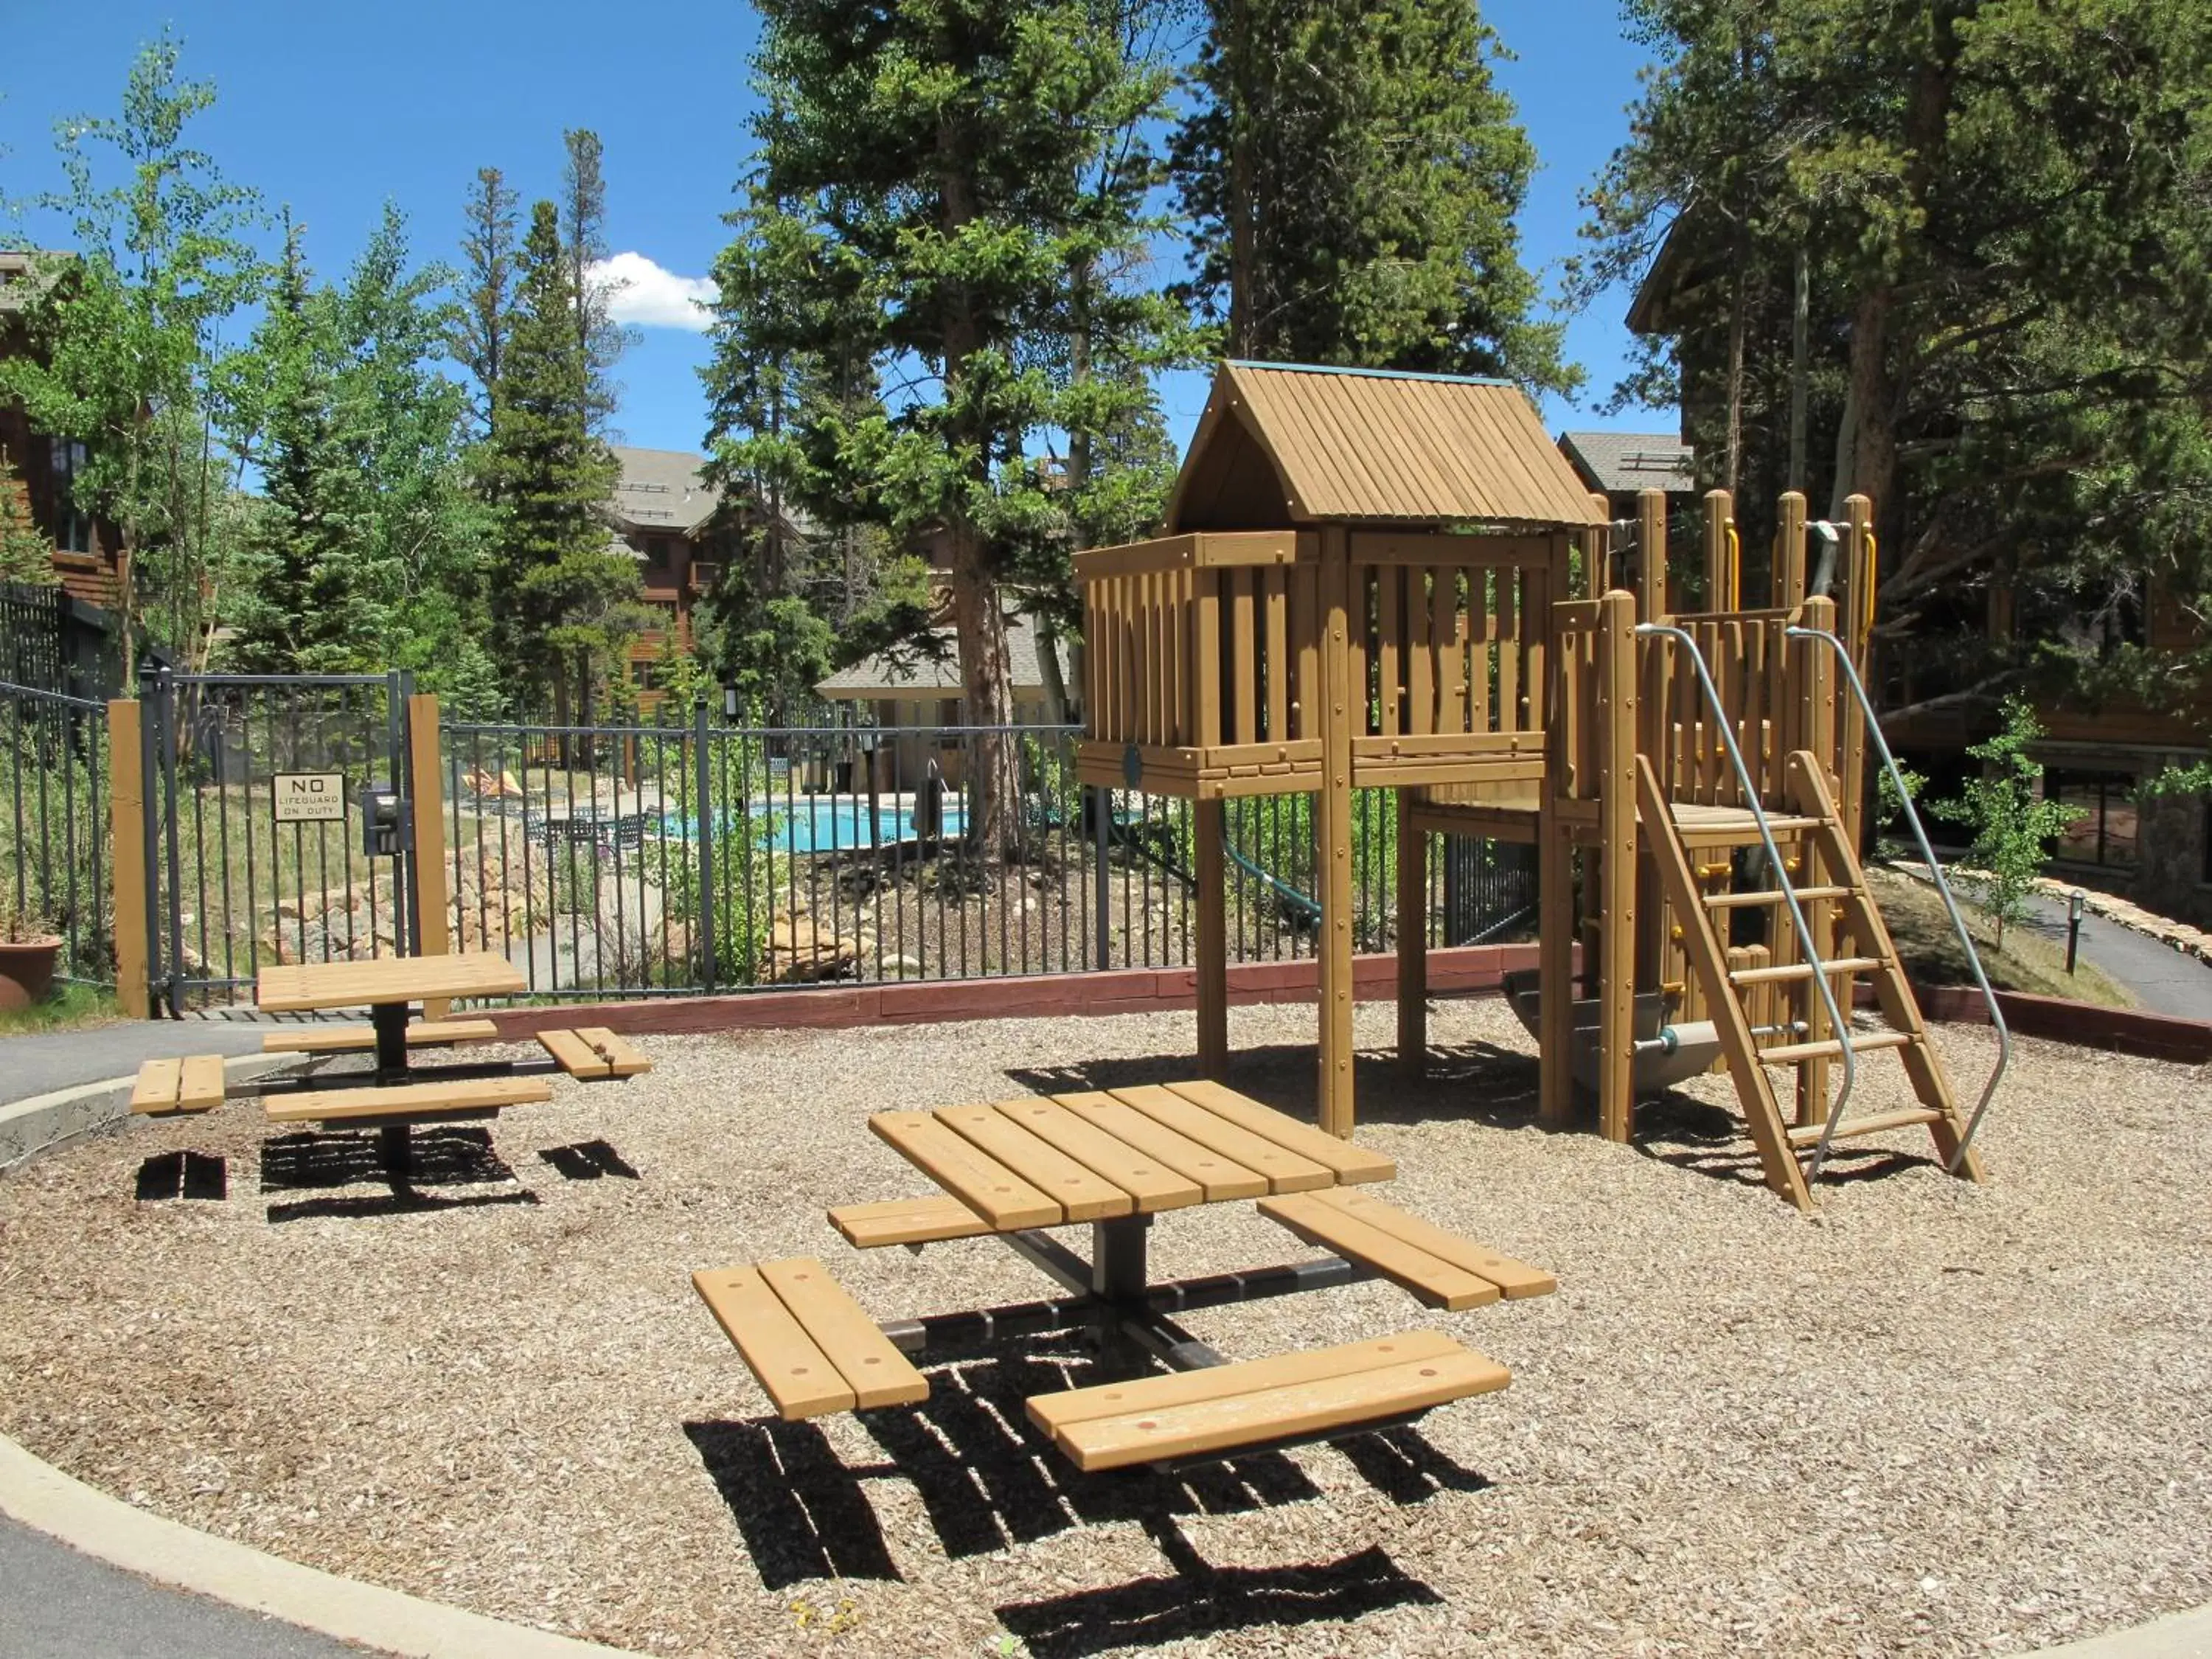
256, 791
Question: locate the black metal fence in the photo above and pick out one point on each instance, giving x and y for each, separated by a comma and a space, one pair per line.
644, 860
57, 875
51, 642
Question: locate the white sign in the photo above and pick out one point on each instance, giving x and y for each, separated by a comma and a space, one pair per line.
309, 797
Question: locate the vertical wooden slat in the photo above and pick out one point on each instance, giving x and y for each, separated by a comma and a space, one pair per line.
126, 816
1279, 664
1389, 632
1449, 630
1509, 650
1855, 629
1421, 650
1540, 592
1309, 624
1333, 810
1244, 675
1174, 618
1208, 653
1480, 627
425, 808
1597, 550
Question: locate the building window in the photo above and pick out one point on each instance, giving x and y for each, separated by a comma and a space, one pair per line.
72, 528
645, 675
2105, 831
656, 552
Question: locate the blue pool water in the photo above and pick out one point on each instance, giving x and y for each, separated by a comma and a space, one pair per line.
823, 823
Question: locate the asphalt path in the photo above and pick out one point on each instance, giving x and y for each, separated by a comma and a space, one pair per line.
2164, 980
46, 1062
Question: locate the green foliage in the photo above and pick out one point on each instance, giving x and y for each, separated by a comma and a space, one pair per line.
2012, 825
2001, 206
958, 193
478, 337
561, 602
26, 555
1354, 173
1889, 809
126, 333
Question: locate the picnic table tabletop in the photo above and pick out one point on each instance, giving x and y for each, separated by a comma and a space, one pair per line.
1045, 1161
384, 979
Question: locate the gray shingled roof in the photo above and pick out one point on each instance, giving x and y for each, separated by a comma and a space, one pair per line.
661, 489
1612, 461
879, 677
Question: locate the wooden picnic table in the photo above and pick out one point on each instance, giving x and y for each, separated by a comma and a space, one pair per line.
389, 987
1115, 1159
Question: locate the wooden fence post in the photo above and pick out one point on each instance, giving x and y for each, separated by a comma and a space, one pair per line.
1790, 551
1723, 570
1617, 865
126, 812
426, 798
1343, 701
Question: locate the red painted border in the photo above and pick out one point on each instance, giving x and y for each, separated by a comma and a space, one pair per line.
2085, 1025
1458, 971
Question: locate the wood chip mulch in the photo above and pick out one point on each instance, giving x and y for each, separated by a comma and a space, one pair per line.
1935, 1418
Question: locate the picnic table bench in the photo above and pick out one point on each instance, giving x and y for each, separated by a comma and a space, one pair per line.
1114, 1159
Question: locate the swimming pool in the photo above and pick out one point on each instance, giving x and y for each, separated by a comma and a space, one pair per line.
807, 824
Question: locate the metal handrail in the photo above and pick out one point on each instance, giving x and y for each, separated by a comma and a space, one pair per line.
1943, 886
1836, 1021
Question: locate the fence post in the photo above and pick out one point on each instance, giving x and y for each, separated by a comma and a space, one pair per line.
1101, 825
126, 811
703, 816
426, 799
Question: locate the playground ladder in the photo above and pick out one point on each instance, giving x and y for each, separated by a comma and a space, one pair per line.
1832, 876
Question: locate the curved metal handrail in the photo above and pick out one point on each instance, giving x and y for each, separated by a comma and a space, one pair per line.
1836, 1021
1943, 886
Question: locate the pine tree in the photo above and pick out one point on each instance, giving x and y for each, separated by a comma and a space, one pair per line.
306, 603
561, 601
487, 252
932, 182
1354, 172
601, 341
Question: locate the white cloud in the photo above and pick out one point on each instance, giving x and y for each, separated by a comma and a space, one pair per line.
640, 292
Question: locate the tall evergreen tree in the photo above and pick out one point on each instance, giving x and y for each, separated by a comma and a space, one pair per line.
560, 602
305, 602
600, 340
1354, 171
937, 168
488, 253
2004, 213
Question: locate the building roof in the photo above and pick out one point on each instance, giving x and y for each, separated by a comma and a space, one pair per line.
661, 489
939, 674
1618, 461
25, 273
1287, 443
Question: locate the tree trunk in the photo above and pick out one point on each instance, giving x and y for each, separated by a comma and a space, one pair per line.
1241, 261
986, 683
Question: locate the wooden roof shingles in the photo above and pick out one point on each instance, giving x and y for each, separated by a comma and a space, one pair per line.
1353, 446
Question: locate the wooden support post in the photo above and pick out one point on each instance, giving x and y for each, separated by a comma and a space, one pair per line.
1208, 823
1855, 629
1816, 679
1342, 702
1723, 562
1618, 865
426, 798
126, 813
1412, 939
1652, 706
1555, 899
1790, 551
1597, 550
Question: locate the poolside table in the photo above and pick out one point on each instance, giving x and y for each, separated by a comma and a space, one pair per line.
388, 987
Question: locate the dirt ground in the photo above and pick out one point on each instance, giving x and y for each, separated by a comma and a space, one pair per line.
1935, 1419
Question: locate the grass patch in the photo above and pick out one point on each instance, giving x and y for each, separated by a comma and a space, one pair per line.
1929, 946
71, 1007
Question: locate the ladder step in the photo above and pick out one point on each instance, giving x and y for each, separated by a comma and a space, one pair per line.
1803, 971
1790, 1053
1872, 1124
1739, 901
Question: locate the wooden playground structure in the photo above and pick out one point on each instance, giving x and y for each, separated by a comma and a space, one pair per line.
1380, 581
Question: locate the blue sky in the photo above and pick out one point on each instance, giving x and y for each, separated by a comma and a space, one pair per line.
332, 109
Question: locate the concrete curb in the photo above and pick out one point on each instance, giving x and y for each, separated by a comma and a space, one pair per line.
42, 1122
43, 1498
2176, 1635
